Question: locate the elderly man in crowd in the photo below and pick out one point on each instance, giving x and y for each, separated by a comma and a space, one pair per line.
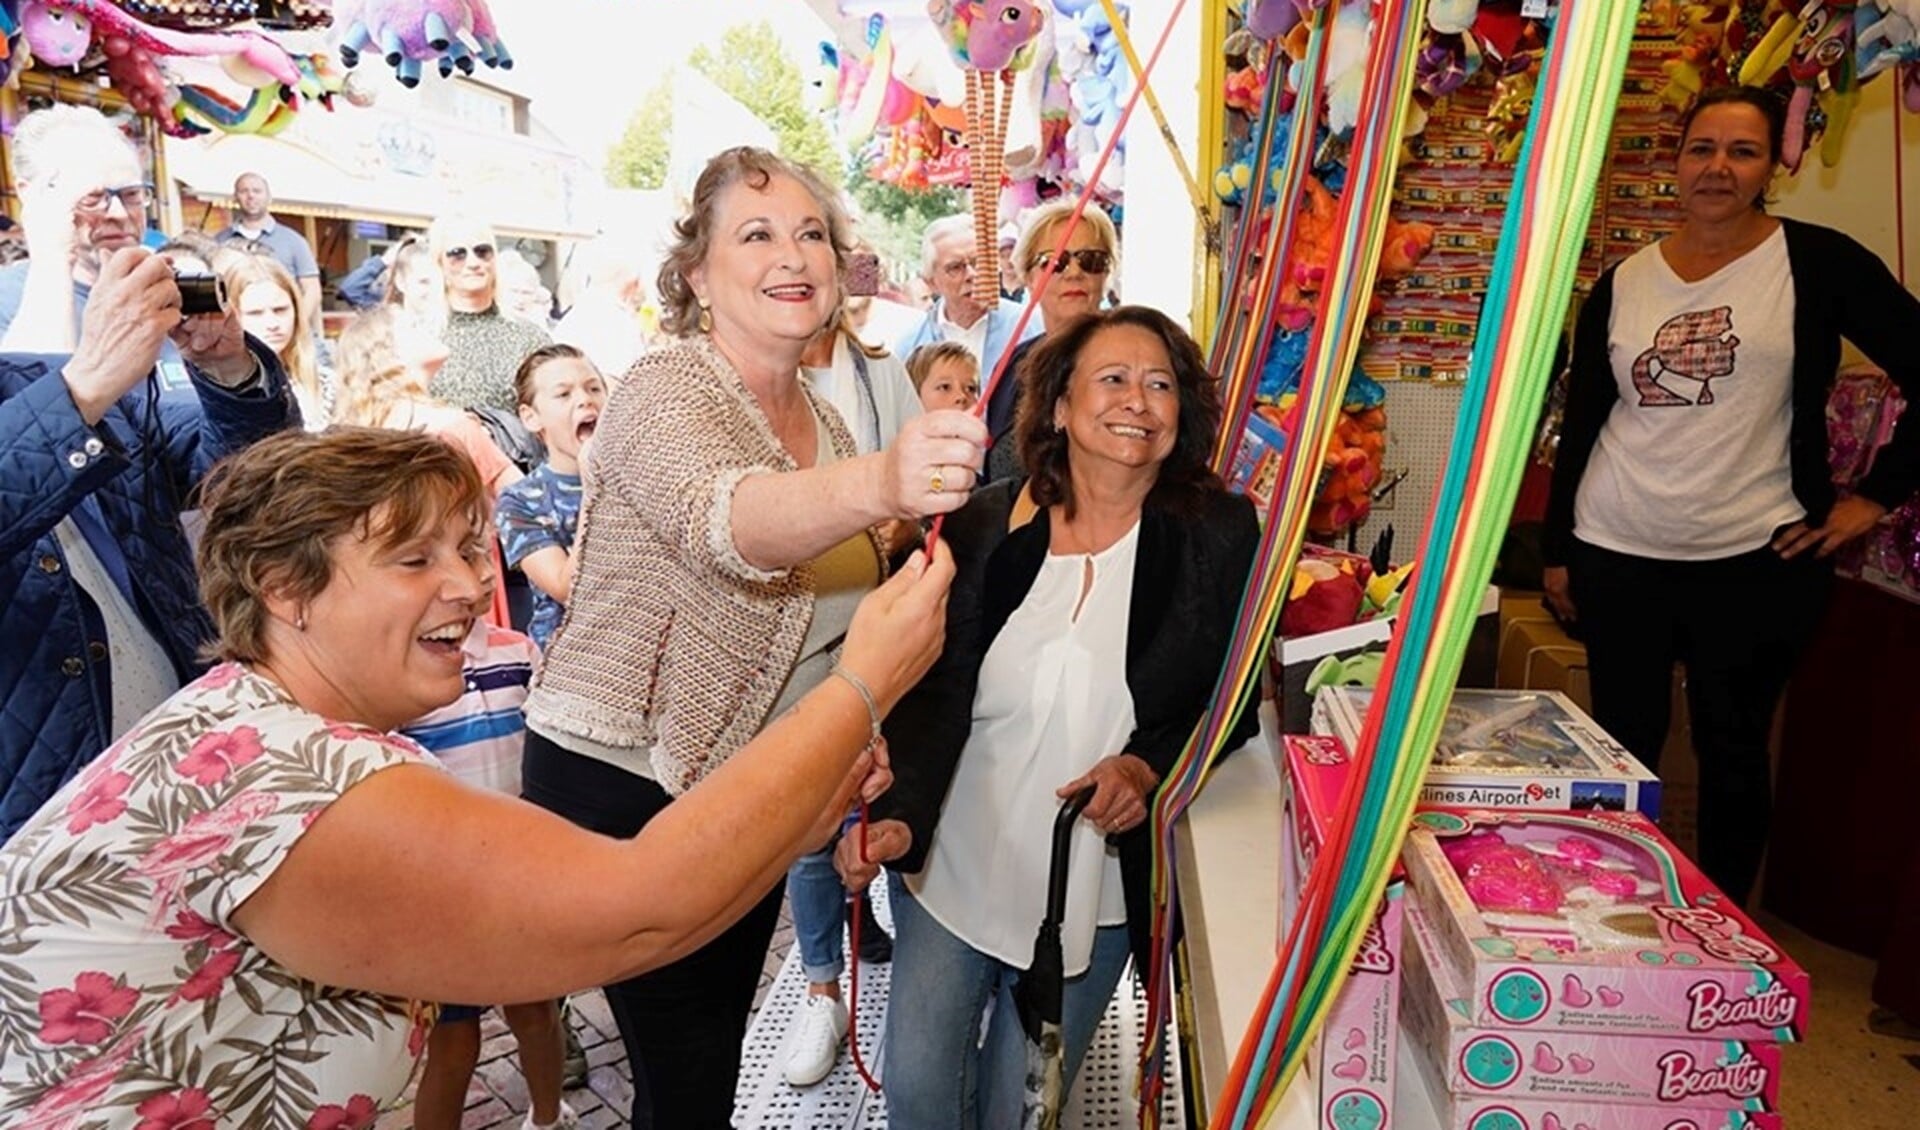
98, 599
947, 260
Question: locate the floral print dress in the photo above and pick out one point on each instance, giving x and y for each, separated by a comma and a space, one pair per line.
127, 998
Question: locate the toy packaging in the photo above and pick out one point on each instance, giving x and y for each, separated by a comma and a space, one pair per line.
1593, 922
1719, 1077
1353, 1066
1513, 749
1256, 465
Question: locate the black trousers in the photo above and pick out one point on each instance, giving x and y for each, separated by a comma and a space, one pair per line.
1739, 624
682, 1024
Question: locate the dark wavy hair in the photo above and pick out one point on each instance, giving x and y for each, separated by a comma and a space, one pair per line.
693, 232
1768, 103
1046, 374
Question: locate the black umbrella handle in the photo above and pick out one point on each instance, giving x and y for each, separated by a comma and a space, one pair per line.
1062, 847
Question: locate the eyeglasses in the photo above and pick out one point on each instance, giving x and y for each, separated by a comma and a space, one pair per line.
1092, 260
133, 197
959, 267
481, 251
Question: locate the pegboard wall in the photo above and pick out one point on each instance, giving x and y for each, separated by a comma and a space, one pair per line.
1420, 422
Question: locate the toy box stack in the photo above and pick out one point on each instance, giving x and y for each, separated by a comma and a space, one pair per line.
1512, 749
1569, 969
1352, 1068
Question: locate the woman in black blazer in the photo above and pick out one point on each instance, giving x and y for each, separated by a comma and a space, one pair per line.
1092, 605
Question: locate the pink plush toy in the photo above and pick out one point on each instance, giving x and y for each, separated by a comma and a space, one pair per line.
250, 56
987, 35
408, 33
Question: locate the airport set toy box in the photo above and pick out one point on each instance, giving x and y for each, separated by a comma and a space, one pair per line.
1514, 749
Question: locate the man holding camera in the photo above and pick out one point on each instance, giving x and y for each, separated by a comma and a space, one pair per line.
98, 598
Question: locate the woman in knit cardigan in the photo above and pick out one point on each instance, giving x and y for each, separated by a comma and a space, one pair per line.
726, 534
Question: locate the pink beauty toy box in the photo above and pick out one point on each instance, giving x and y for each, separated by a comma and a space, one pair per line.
1712, 1081
1353, 1066
1593, 922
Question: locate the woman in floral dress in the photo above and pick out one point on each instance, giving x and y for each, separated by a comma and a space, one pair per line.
231, 916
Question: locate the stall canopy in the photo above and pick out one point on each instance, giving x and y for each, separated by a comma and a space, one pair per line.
377, 164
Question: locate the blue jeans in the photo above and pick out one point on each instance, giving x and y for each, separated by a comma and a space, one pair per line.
819, 903
940, 1071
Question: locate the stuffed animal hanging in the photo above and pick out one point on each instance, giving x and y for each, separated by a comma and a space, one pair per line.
989, 39
408, 33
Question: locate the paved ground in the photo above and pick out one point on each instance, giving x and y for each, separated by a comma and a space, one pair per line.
497, 1098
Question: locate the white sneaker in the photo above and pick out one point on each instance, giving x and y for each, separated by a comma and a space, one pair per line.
567, 1120
816, 1046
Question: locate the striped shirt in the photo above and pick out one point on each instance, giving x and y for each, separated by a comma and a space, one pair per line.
479, 736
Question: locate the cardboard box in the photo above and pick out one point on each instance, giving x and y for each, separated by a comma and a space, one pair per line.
1536, 653
1353, 1061
1592, 922
1717, 1078
1512, 749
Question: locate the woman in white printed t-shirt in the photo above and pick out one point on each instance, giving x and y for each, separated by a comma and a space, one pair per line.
1692, 514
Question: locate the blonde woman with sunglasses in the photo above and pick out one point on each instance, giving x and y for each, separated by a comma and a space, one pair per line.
484, 346
1078, 286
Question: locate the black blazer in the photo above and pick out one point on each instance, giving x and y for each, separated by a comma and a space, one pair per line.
1190, 570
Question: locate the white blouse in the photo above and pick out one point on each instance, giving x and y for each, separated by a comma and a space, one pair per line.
1052, 700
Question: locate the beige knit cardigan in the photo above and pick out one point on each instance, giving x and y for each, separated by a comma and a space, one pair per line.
673, 645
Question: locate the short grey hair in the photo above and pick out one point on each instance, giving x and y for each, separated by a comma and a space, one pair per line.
958, 224
41, 135
439, 235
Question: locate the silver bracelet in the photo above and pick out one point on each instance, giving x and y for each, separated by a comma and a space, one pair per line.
866, 695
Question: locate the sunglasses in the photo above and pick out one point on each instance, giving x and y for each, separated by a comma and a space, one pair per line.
1092, 260
481, 251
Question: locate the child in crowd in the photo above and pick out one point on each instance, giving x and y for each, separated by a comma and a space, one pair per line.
945, 374
560, 394
478, 737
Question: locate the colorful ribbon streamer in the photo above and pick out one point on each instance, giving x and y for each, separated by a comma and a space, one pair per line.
1333, 347
1520, 326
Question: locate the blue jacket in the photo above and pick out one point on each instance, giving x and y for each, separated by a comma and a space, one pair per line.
1000, 323
140, 464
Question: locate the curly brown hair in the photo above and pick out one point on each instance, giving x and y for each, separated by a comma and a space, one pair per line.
275, 511
693, 232
1047, 372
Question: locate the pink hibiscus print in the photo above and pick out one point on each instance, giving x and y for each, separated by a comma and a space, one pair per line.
84, 1013
219, 753
358, 1114
220, 676
80, 1091
99, 802
182, 1110
213, 973
200, 841
189, 927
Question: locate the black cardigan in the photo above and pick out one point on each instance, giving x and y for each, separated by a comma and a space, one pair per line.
1190, 569
1840, 289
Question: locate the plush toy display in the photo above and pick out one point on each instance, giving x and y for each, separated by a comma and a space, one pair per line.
66, 33
1329, 590
409, 33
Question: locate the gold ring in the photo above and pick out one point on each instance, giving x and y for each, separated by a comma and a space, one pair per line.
938, 483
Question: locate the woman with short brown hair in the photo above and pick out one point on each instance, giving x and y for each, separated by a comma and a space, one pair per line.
234, 914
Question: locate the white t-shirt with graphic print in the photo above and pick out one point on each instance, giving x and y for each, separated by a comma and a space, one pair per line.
1692, 464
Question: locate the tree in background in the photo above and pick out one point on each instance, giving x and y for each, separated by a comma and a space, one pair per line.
894, 220
751, 64
639, 158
